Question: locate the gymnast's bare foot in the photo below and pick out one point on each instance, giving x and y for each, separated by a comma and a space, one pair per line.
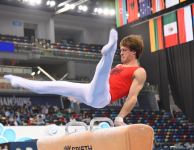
14, 80
111, 46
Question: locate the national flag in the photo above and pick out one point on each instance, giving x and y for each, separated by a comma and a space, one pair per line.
121, 12
185, 24
144, 8
156, 34
192, 7
170, 29
157, 5
132, 8
170, 3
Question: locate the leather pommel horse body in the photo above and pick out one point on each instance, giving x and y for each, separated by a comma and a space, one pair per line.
130, 137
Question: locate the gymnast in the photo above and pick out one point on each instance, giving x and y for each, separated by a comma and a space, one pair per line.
107, 86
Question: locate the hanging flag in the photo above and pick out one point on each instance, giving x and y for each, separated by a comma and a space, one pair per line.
170, 29
132, 8
156, 34
144, 8
170, 3
185, 24
121, 12
157, 5
192, 7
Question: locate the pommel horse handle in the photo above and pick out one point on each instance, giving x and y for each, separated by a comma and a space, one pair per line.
100, 119
130, 137
75, 123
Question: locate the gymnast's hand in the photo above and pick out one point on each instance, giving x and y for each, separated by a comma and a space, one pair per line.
119, 122
73, 99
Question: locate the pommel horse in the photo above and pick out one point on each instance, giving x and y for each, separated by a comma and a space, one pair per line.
129, 137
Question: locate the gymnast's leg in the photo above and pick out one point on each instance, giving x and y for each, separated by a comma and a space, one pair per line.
63, 88
99, 86
79, 90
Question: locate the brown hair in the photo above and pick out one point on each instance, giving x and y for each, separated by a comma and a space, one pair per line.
134, 43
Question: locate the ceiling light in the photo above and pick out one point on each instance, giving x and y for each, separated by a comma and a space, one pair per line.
95, 10
100, 10
67, 6
80, 7
64, 3
85, 8
52, 3
106, 11
32, 2
72, 6
112, 12
48, 3
38, 2
64, 9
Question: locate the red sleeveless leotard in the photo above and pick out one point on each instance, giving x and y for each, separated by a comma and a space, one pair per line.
120, 81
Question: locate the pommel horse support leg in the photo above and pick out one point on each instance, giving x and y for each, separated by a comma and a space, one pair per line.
130, 137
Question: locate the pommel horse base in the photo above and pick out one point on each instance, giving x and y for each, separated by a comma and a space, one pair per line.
130, 137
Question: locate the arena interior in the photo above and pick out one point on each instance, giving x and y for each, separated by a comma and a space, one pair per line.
50, 40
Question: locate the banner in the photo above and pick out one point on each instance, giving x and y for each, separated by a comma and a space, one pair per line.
7, 46
185, 24
170, 29
121, 12
144, 8
156, 34
192, 7
21, 100
157, 5
132, 8
170, 3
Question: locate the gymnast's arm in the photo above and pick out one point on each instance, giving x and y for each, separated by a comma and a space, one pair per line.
136, 86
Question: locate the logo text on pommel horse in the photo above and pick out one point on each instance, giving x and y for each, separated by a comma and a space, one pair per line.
86, 147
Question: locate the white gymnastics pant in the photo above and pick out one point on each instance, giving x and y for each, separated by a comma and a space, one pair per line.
95, 94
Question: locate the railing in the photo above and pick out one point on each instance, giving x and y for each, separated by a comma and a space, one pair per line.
65, 53
15, 69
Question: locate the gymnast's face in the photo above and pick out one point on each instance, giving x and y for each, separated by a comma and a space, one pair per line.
126, 55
